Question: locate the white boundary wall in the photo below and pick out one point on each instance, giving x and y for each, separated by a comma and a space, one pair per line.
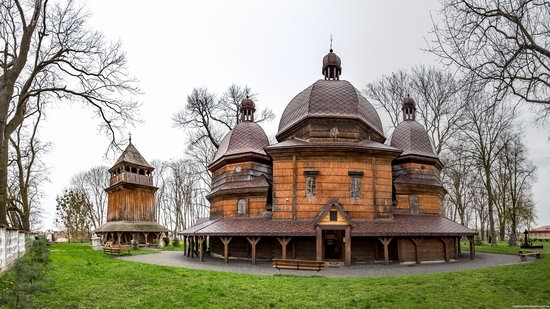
13, 244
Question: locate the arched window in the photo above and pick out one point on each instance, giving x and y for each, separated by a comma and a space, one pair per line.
242, 207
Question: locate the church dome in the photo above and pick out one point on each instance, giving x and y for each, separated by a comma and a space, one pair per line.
247, 138
330, 99
248, 104
410, 136
331, 59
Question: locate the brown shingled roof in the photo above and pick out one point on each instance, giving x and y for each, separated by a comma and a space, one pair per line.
258, 183
132, 155
131, 226
246, 137
330, 99
246, 226
413, 139
401, 225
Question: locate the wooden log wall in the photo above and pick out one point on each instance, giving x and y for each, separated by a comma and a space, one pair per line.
317, 130
248, 171
227, 206
427, 203
131, 203
333, 181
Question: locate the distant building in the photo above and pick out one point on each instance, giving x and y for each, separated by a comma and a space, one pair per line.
332, 188
131, 203
56, 236
542, 232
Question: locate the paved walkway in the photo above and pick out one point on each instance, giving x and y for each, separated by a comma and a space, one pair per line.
177, 259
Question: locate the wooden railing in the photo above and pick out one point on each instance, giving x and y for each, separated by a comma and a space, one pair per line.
132, 178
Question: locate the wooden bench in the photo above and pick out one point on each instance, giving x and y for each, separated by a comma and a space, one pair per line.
117, 249
112, 250
298, 264
523, 255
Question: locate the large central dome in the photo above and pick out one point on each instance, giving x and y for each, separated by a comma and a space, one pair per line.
330, 99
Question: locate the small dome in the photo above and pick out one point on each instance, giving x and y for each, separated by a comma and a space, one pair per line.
413, 139
331, 59
330, 99
247, 137
247, 104
409, 103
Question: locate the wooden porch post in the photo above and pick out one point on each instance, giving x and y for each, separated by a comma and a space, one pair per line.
253, 242
119, 236
201, 247
283, 241
347, 246
445, 241
472, 250
417, 242
386, 241
225, 241
319, 245
193, 245
146, 243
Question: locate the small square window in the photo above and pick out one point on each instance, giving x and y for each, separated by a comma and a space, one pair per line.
333, 215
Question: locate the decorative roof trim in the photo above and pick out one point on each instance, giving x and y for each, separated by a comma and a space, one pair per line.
327, 207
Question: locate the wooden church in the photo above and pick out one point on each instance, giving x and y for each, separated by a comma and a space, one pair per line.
131, 202
332, 188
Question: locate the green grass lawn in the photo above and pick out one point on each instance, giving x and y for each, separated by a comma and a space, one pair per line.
501, 248
81, 278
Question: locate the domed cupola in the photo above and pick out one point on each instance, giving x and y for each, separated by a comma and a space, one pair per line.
332, 66
334, 103
410, 136
416, 173
245, 142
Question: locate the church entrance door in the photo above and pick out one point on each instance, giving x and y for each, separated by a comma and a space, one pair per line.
333, 243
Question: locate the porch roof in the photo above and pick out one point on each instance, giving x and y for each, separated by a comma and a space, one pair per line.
401, 225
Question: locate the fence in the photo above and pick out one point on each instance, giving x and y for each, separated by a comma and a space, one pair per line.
13, 244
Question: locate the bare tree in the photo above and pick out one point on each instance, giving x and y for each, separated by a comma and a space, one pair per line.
503, 42
388, 93
48, 52
92, 184
486, 122
518, 174
435, 92
180, 195
460, 177
26, 171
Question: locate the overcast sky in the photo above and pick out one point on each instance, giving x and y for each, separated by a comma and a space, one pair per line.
274, 47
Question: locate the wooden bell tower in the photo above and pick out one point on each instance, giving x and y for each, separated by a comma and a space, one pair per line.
131, 189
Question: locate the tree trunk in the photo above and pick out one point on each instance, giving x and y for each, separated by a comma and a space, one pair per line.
492, 232
3, 180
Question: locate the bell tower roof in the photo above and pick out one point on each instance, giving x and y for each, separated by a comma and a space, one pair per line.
131, 155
